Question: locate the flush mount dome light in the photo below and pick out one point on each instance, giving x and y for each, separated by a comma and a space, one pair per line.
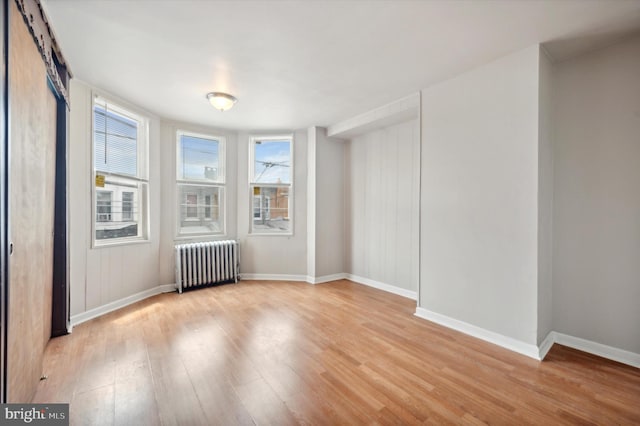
221, 101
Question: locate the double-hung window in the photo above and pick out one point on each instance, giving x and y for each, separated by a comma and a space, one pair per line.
120, 144
200, 182
271, 185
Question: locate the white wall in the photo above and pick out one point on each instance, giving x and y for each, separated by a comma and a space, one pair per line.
168, 230
273, 255
325, 209
479, 197
382, 205
312, 136
596, 268
545, 197
102, 275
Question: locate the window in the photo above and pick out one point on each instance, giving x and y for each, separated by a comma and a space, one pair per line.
200, 181
119, 164
271, 180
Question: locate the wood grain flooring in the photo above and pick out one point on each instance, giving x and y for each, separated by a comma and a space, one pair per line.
339, 353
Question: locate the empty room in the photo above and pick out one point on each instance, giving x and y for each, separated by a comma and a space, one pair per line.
320, 212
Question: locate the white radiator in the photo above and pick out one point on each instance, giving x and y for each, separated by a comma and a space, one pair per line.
206, 263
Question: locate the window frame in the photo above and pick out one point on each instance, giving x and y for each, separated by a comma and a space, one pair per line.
220, 183
253, 184
140, 181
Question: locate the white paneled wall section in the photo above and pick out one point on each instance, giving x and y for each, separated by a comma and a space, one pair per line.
382, 206
100, 276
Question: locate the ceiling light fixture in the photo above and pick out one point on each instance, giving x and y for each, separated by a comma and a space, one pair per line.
221, 101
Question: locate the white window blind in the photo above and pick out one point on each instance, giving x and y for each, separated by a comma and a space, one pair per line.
115, 138
199, 159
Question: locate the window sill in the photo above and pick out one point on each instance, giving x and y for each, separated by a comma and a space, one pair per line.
120, 242
270, 234
199, 238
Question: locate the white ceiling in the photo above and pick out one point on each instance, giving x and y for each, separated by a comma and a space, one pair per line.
295, 64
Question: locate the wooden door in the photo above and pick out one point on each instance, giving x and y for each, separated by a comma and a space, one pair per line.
32, 140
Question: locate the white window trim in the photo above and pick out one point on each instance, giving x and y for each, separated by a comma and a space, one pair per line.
142, 176
253, 184
222, 164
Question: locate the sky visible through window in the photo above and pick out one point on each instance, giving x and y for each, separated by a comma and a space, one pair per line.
272, 162
199, 158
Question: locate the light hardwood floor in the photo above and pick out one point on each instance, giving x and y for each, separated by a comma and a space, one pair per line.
337, 353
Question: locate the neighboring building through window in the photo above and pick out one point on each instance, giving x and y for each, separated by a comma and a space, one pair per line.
257, 207
191, 201
200, 181
103, 206
120, 173
271, 180
207, 207
127, 205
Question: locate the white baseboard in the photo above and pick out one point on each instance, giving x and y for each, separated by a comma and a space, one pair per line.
273, 277
382, 286
599, 349
545, 346
112, 306
481, 333
536, 352
326, 278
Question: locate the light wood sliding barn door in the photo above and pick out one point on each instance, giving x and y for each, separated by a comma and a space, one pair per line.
32, 140
3, 204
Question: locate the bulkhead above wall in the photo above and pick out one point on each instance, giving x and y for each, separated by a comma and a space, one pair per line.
405, 109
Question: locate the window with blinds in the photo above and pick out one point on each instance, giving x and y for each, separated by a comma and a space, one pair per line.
121, 185
200, 184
